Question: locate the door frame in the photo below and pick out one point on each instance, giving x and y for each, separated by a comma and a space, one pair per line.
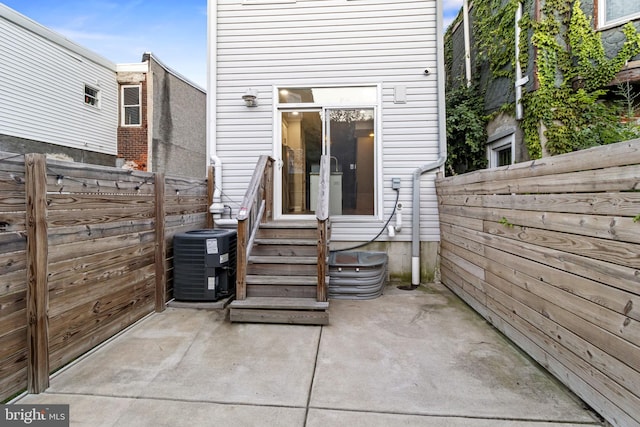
302, 107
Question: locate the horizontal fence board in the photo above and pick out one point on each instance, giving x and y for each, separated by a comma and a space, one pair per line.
95, 217
613, 179
548, 252
95, 246
12, 222
605, 250
614, 203
70, 202
12, 201
11, 262
614, 155
90, 232
605, 227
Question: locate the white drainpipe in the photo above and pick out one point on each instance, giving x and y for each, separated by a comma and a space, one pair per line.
217, 207
442, 151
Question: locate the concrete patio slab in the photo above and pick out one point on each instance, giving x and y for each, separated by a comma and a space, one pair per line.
409, 358
425, 352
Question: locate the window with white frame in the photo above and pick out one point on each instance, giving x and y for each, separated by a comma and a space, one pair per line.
500, 152
91, 96
131, 110
612, 12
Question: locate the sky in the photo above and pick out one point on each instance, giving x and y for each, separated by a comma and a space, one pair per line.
175, 31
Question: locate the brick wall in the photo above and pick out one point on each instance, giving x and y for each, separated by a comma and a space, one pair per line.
133, 140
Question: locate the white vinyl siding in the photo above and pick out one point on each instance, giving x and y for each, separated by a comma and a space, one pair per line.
42, 91
313, 43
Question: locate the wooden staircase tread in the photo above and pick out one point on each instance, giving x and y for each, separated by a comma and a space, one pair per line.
290, 224
260, 279
276, 259
284, 241
276, 303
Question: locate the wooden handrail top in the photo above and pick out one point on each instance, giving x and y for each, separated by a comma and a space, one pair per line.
254, 186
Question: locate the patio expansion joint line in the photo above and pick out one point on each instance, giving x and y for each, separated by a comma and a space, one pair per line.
313, 377
174, 399
461, 416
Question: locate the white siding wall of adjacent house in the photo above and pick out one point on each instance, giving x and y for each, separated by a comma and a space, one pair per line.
42, 80
305, 43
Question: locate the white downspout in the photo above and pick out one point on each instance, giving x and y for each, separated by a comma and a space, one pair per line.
217, 207
467, 41
442, 153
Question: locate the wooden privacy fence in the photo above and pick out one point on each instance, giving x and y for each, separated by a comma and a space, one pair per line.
85, 251
548, 251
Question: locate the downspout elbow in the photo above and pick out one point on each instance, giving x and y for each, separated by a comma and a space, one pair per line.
217, 208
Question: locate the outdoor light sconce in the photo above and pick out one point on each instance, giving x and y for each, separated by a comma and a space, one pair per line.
250, 97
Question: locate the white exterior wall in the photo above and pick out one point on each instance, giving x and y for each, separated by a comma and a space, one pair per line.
262, 44
42, 78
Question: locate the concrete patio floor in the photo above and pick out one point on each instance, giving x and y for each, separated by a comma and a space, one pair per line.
410, 358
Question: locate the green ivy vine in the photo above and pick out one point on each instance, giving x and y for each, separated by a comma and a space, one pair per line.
569, 108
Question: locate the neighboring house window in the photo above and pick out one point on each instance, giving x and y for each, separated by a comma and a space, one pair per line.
131, 105
613, 12
91, 96
500, 152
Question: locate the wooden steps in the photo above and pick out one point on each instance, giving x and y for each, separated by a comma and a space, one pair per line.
300, 311
281, 281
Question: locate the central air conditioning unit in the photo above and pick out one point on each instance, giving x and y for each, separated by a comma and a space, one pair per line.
204, 265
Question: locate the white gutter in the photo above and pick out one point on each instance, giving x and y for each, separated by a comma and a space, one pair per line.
442, 152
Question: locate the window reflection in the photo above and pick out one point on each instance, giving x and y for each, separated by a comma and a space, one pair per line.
329, 95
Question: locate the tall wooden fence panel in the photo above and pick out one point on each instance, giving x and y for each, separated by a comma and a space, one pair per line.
548, 251
102, 262
13, 276
101, 254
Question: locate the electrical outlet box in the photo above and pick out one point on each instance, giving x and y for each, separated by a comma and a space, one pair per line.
395, 183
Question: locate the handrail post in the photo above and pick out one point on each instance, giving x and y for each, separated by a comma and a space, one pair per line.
241, 260
322, 215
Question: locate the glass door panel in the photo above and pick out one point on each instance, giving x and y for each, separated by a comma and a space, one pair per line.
347, 136
301, 148
350, 144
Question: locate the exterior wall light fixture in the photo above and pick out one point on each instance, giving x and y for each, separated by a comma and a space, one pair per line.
250, 98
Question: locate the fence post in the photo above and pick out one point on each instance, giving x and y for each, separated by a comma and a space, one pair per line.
161, 244
37, 283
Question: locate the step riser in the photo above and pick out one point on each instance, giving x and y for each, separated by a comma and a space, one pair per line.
281, 291
279, 316
282, 269
284, 251
280, 233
